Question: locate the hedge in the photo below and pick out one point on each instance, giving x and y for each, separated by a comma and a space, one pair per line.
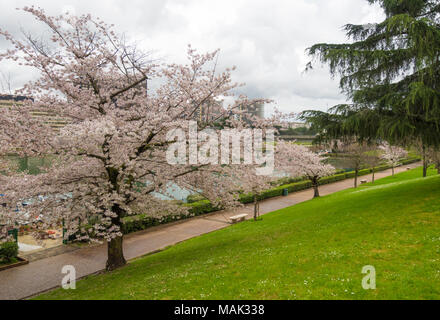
8, 251
409, 161
194, 198
199, 207
143, 221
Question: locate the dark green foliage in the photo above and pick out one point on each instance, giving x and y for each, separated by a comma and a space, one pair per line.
201, 207
391, 72
194, 198
144, 221
288, 180
413, 7
8, 251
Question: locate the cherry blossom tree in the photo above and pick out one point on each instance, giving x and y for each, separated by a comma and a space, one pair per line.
111, 157
425, 152
357, 154
374, 159
297, 160
252, 183
20, 135
433, 155
393, 154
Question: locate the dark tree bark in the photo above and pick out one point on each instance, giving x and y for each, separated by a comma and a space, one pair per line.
115, 250
425, 163
374, 172
315, 188
356, 173
256, 208
115, 253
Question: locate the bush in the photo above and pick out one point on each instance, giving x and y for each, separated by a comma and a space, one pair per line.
8, 251
364, 172
382, 168
288, 180
195, 198
350, 175
142, 221
276, 192
332, 179
247, 198
299, 186
410, 160
200, 207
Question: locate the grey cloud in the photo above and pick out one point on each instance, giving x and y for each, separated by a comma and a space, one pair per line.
264, 39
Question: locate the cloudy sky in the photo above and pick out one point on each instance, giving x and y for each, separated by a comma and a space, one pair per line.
265, 39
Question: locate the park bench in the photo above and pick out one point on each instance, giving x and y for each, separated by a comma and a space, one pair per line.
364, 181
238, 218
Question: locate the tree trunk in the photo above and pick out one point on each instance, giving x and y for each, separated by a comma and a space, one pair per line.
392, 169
315, 188
115, 258
438, 167
115, 251
425, 163
374, 172
356, 173
256, 208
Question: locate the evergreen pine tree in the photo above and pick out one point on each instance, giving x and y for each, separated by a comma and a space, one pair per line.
390, 71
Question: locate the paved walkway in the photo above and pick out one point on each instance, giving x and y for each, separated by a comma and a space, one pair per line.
45, 274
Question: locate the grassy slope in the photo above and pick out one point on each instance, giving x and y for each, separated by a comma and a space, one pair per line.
314, 250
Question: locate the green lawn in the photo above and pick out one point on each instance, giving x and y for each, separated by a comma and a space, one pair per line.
314, 250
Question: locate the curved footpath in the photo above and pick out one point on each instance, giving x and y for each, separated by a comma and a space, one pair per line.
45, 274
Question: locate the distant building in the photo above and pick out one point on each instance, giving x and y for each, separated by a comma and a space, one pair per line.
51, 119
208, 112
7, 99
296, 125
213, 110
255, 110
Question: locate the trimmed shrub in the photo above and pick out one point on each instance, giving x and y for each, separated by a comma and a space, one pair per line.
364, 172
409, 161
200, 207
349, 175
299, 186
8, 251
383, 167
332, 179
141, 222
195, 198
289, 180
247, 198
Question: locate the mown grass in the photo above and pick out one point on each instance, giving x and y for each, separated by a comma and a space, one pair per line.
314, 250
